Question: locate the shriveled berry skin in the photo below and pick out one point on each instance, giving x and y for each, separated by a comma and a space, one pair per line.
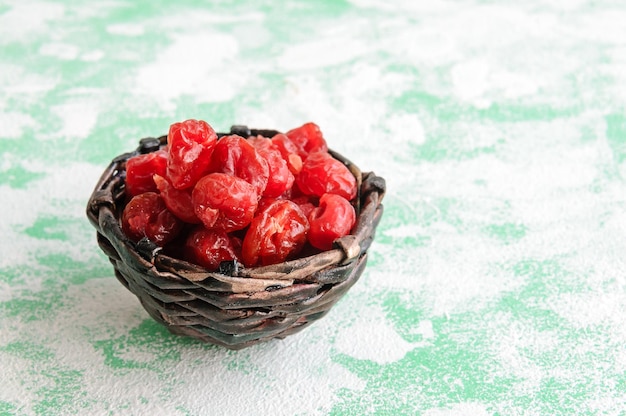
178, 201
306, 203
190, 144
334, 218
235, 156
289, 151
141, 168
146, 215
308, 139
209, 248
322, 174
224, 202
276, 234
280, 178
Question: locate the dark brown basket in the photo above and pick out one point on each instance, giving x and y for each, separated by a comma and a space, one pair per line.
237, 306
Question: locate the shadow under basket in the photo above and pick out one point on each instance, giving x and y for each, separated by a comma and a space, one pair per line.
235, 307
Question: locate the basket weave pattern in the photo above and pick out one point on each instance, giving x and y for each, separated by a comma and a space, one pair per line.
235, 307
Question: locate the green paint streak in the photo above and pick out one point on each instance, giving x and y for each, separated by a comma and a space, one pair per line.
565, 395
149, 337
58, 271
447, 109
64, 393
61, 392
50, 228
543, 278
616, 135
7, 409
18, 178
404, 314
14, 275
435, 150
29, 351
521, 113
69, 271
32, 306
507, 232
434, 376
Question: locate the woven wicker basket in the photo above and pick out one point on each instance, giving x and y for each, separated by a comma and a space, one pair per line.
235, 307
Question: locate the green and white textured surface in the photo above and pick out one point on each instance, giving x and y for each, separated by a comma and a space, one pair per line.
496, 284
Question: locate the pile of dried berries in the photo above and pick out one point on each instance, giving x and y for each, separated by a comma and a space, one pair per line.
256, 200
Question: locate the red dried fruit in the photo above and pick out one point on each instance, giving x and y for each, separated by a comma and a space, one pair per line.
306, 203
178, 201
190, 144
235, 156
289, 151
141, 168
280, 178
276, 234
146, 215
334, 218
322, 174
209, 248
224, 201
265, 202
308, 139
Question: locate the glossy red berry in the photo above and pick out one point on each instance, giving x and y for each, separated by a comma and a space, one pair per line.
322, 174
209, 248
235, 156
146, 215
276, 234
224, 202
190, 144
178, 201
334, 218
141, 168
306, 203
289, 151
280, 178
308, 139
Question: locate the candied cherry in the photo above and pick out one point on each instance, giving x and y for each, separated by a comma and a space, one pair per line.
276, 234
306, 203
209, 248
190, 144
178, 201
289, 151
146, 215
322, 174
334, 218
308, 139
235, 156
280, 178
139, 171
223, 201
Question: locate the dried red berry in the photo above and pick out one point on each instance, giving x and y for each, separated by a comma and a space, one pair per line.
308, 139
289, 151
146, 215
191, 144
306, 203
224, 201
322, 174
280, 178
235, 156
141, 168
209, 248
276, 234
178, 201
334, 218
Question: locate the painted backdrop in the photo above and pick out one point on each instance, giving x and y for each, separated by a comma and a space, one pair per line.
496, 284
